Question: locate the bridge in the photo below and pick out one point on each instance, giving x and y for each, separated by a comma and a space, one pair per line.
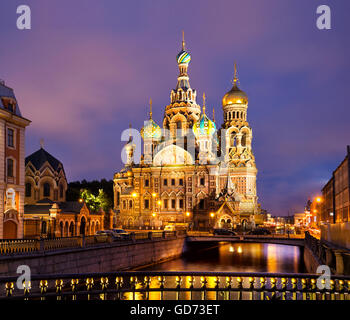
293, 240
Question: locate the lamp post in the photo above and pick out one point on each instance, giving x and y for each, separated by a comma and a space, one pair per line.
212, 216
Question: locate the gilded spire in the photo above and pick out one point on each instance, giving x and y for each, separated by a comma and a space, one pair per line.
130, 130
213, 114
203, 102
183, 41
235, 78
150, 108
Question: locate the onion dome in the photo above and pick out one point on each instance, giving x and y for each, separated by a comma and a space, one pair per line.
183, 56
204, 126
151, 130
235, 95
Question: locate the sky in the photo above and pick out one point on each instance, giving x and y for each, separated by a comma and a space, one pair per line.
87, 68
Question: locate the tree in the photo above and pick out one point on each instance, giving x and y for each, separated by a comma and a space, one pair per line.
95, 202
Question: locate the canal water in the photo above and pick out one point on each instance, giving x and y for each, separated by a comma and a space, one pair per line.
237, 257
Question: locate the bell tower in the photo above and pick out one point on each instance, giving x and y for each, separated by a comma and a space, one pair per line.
239, 155
183, 109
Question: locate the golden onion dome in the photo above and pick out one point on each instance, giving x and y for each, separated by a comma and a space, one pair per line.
235, 95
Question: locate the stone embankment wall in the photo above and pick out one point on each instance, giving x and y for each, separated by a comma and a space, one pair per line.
106, 258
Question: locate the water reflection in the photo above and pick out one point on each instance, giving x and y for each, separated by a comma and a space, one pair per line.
238, 257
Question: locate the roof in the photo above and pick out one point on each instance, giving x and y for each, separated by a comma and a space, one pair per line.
7, 92
44, 207
39, 157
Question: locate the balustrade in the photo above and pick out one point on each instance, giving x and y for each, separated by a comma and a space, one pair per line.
154, 285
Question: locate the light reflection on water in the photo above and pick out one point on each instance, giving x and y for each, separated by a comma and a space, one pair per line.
238, 257
231, 257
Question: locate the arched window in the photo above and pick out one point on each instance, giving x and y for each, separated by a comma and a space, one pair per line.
118, 198
178, 125
244, 140
82, 226
47, 189
43, 227
233, 139
61, 191
28, 189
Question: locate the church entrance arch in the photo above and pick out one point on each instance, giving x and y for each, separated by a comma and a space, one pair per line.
82, 226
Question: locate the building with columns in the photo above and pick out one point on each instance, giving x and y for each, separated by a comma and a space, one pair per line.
190, 170
12, 176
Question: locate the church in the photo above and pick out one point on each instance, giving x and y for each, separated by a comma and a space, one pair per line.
191, 171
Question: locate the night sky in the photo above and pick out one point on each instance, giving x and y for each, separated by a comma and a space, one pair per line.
88, 67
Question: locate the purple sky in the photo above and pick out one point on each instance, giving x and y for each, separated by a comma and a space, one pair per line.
88, 68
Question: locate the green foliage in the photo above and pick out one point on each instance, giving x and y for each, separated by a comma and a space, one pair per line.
96, 193
95, 202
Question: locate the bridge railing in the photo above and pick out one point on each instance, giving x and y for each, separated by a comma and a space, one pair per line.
154, 285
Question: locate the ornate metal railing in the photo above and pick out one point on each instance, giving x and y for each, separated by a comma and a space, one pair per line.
14, 247
148, 285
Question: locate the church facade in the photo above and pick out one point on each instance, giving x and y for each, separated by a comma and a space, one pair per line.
191, 171
46, 211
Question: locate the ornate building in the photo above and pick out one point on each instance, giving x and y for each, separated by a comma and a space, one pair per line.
12, 128
189, 172
46, 211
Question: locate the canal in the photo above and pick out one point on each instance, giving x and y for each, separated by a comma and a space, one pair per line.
236, 257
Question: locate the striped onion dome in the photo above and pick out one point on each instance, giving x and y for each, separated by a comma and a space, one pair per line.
183, 57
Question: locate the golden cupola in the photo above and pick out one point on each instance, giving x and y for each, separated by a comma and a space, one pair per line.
235, 95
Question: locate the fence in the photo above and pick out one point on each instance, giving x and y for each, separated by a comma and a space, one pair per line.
154, 285
16, 247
